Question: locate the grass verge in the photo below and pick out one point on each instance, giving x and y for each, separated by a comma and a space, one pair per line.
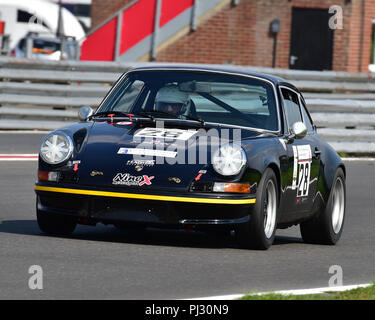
367, 293
356, 155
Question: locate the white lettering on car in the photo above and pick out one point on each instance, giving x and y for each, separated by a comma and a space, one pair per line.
129, 180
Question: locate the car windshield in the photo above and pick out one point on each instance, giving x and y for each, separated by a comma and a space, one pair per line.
41, 46
209, 97
44, 46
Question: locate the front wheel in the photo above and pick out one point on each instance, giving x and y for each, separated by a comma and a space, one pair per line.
259, 232
327, 226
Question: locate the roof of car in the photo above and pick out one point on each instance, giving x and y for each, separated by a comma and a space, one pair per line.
208, 68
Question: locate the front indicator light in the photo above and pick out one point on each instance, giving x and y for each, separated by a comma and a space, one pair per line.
231, 187
48, 176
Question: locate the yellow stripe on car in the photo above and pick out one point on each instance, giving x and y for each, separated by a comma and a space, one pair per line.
143, 196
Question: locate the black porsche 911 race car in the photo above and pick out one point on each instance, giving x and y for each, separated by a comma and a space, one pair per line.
190, 147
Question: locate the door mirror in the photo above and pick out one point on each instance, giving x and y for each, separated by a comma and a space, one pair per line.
299, 129
84, 113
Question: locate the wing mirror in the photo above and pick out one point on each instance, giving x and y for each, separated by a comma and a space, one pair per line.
84, 113
299, 130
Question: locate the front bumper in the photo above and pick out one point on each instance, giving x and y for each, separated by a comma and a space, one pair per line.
152, 209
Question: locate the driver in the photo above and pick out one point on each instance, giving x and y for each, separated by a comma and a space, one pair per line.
171, 100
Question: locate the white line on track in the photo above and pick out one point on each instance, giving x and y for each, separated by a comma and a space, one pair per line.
358, 159
19, 157
287, 292
24, 131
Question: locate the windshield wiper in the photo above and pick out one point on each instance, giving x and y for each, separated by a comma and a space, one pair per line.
201, 121
144, 114
156, 112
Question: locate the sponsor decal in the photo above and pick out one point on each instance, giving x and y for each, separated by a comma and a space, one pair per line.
301, 200
200, 173
96, 173
143, 163
129, 180
148, 152
162, 133
174, 179
75, 165
148, 141
124, 123
301, 169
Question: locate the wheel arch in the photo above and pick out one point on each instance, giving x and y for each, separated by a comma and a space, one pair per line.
276, 169
330, 163
342, 166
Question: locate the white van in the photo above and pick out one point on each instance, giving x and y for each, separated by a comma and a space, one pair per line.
80, 9
37, 16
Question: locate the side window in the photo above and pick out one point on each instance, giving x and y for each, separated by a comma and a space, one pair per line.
306, 118
26, 17
291, 105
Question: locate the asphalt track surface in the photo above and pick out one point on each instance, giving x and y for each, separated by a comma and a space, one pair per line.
105, 263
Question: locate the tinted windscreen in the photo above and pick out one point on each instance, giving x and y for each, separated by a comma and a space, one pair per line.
211, 97
46, 45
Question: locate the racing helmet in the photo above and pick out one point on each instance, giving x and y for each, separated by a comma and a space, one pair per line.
170, 99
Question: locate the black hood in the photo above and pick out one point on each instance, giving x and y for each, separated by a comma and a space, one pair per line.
113, 155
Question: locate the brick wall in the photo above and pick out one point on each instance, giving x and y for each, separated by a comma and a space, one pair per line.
224, 38
103, 9
240, 35
367, 34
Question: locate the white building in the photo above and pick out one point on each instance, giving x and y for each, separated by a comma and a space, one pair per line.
80, 8
39, 16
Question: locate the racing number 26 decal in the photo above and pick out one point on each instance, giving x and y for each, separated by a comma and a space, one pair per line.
301, 170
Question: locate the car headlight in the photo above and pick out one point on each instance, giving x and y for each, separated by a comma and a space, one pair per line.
56, 148
229, 159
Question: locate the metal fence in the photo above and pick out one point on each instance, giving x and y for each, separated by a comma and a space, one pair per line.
45, 95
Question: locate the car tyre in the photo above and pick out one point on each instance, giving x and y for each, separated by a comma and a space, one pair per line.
56, 224
326, 227
259, 232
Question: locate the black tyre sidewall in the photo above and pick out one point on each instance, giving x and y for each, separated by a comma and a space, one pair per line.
331, 236
252, 234
55, 224
319, 229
